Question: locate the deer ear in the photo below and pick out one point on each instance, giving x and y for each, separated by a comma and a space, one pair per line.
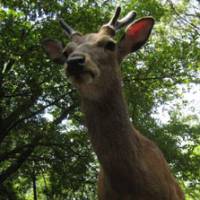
54, 50
135, 36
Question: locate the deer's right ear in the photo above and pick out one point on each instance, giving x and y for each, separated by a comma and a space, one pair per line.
135, 36
54, 50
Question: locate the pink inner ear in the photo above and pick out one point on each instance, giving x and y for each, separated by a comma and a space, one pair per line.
139, 29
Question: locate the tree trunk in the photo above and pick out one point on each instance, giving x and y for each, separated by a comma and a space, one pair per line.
34, 185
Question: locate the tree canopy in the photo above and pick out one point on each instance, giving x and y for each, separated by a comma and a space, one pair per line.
45, 152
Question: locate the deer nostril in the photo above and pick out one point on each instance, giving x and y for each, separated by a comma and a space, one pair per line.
75, 64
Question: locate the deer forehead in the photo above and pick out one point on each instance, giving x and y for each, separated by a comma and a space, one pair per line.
93, 39
88, 41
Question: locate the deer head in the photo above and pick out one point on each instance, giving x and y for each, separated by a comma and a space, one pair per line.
92, 61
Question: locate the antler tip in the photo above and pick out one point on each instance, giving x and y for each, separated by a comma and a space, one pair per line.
118, 10
118, 7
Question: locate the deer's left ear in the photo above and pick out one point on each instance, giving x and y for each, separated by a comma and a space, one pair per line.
135, 36
54, 50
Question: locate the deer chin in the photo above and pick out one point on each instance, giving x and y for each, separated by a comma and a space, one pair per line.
85, 77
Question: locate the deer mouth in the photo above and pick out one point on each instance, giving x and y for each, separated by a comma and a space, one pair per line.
83, 77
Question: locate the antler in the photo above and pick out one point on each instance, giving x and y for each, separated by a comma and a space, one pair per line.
110, 28
116, 24
69, 31
114, 20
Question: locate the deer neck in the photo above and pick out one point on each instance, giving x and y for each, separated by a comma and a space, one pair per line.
110, 129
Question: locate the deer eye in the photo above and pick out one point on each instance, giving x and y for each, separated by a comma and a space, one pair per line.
107, 44
110, 45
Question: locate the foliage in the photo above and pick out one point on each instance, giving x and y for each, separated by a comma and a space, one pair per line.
42, 138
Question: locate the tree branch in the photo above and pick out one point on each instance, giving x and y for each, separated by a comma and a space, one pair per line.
10, 154
63, 114
8, 122
24, 94
183, 18
22, 158
179, 78
21, 120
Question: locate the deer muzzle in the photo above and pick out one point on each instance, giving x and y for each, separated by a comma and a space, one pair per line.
76, 65
80, 69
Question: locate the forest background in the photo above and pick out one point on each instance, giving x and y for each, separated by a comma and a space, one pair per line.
44, 148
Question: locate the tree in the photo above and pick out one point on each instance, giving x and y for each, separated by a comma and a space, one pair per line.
42, 137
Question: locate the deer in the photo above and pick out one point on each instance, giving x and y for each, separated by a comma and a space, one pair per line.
131, 166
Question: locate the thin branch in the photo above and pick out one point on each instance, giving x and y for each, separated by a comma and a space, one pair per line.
24, 94
18, 163
9, 66
21, 120
178, 78
7, 155
8, 122
64, 113
43, 177
183, 18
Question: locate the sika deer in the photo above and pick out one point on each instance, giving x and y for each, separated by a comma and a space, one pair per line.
132, 166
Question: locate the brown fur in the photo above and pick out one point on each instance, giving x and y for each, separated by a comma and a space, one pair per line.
132, 166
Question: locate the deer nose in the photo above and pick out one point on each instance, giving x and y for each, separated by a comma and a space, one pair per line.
75, 64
